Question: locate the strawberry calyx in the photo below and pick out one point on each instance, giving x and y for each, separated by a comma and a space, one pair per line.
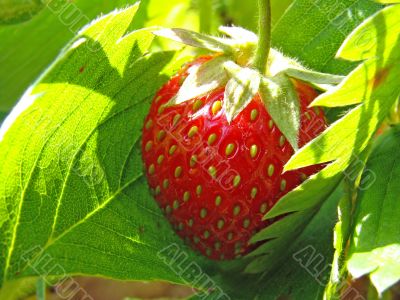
231, 67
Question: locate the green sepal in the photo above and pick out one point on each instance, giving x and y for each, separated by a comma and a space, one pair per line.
282, 103
240, 90
314, 77
239, 44
202, 79
321, 81
243, 83
239, 34
195, 39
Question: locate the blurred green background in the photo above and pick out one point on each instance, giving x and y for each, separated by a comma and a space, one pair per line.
30, 42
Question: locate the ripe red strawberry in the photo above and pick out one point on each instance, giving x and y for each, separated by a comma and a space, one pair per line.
215, 180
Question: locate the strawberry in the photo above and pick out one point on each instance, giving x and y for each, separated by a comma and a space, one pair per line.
216, 178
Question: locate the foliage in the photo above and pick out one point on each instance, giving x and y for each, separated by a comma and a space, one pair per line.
72, 184
81, 182
375, 245
26, 49
314, 29
12, 11
24, 55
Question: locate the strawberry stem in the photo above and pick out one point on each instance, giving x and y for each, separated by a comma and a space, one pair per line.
264, 35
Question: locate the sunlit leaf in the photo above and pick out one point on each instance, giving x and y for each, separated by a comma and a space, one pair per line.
302, 261
24, 55
374, 84
375, 244
388, 1
313, 30
28, 48
3, 115
71, 164
338, 277
342, 145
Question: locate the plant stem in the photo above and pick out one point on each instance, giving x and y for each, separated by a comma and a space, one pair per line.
264, 35
205, 7
41, 289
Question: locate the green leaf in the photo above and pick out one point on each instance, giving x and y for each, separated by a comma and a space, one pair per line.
388, 1
73, 199
343, 144
281, 100
338, 277
302, 264
3, 115
305, 266
241, 13
312, 31
15, 11
23, 55
341, 234
364, 44
299, 206
241, 88
375, 244
18, 289
374, 84
56, 24
346, 141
